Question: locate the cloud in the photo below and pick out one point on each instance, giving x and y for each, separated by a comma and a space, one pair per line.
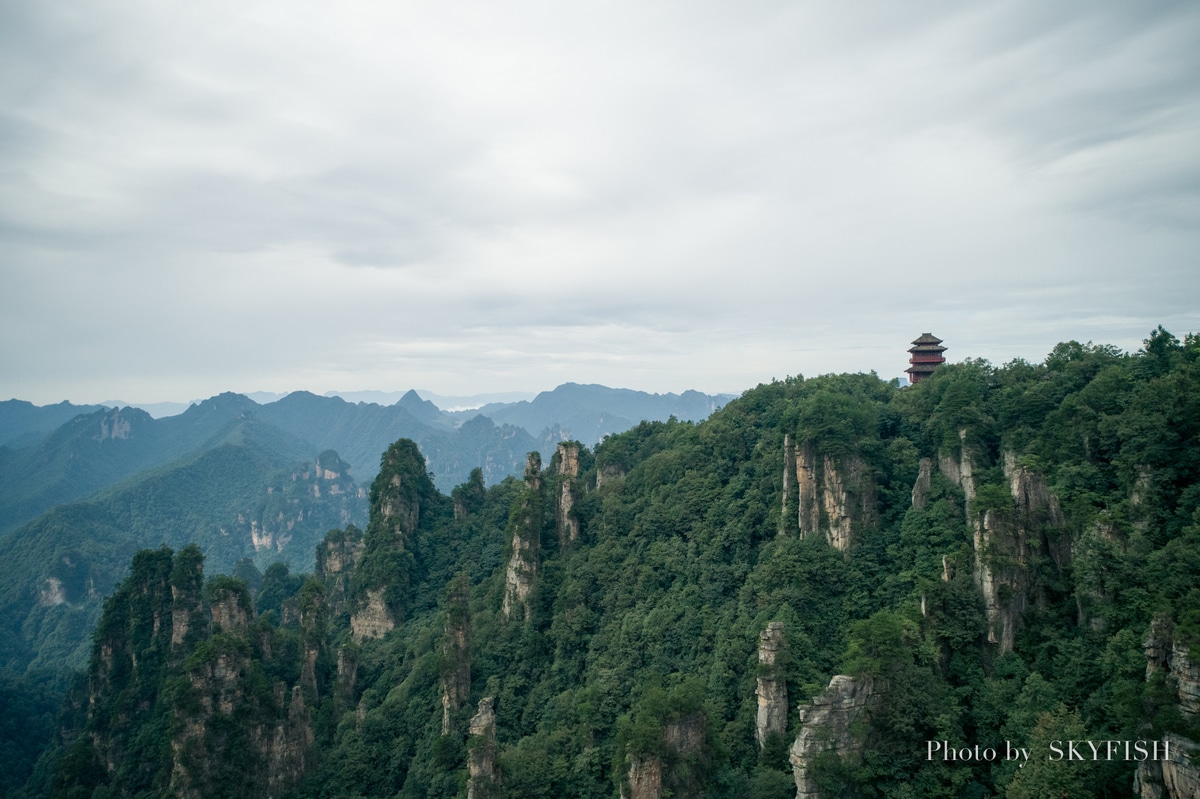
468, 197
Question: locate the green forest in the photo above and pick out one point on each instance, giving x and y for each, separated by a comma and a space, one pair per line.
996, 556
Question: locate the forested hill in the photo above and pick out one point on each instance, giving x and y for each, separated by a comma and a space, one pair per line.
250, 492
997, 554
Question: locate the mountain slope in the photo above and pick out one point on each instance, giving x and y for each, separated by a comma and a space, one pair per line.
992, 555
23, 424
96, 450
247, 493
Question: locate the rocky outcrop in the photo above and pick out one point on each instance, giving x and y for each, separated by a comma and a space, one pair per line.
849, 498
787, 510
456, 652
347, 674
1038, 511
1178, 777
126, 664
833, 497
231, 609
52, 594
525, 529
481, 752
960, 470
920, 491
312, 623
398, 492
400, 510
209, 690
652, 776
372, 619
287, 746
188, 620
566, 462
608, 474
385, 573
469, 497
826, 724
772, 684
277, 746
1006, 539
644, 779
1165, 652
807, 491
337, 556
114, 426
273, 737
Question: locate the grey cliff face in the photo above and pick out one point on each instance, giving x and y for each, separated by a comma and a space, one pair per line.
826, 724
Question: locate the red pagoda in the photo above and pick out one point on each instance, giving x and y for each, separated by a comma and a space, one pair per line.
926, 355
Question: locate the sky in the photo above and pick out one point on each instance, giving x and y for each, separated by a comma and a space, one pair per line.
473, 197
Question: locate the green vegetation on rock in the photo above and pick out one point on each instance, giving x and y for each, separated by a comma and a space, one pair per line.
988, 556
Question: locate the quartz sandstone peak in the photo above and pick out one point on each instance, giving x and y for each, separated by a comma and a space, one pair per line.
827, 723
456, 652
1005, 540
1179, 777
481, 752
772, 685
833, 496
525, 528
651, 777
920, 491
372, 619
567, 462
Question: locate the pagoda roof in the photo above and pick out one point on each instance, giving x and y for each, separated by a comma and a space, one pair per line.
927, 338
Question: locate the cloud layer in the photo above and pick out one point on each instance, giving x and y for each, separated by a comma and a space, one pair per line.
467, 197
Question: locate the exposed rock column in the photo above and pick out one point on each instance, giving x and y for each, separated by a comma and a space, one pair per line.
456, 651
808, 514
347, 674
481, 754
288, 752
372, 620
526, 529
789, 476
772, 685
188, 622
920, 492
826, 724
645, 779
568, 472
337, 556
647, 776
1179, 777
1004, 540
312, 623
401, 508
231, 610
833, 498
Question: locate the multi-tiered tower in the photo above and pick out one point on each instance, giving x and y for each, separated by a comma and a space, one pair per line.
926, 354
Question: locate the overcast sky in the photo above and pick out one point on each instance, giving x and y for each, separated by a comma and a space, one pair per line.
471, 197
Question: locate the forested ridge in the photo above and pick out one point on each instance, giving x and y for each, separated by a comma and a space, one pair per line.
990, 555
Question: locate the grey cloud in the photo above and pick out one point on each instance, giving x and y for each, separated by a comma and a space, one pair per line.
689, 193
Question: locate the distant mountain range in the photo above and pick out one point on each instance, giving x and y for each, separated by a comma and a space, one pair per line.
57, 453
84, 487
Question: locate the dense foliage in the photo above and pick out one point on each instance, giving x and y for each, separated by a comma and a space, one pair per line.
648, 623
248, 482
